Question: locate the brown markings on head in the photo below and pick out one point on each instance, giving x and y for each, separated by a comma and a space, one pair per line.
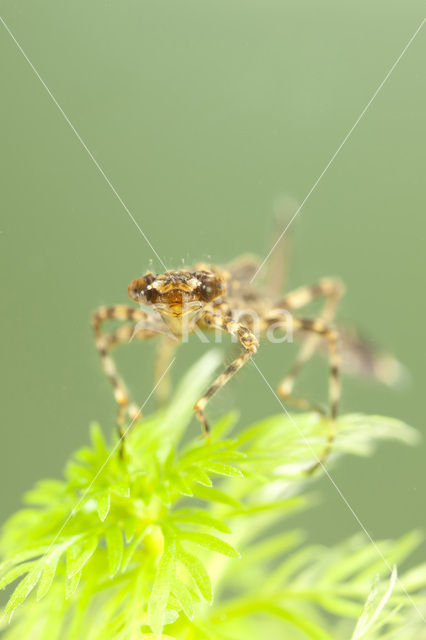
175, 289
140, 290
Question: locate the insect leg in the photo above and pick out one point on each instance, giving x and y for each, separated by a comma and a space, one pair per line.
164, 354
319, 328
330, 288
247, 340
123, 335
284, 211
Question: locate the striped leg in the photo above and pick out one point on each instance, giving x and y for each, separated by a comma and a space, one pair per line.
330, 288
248, 341
143, 329
321, 329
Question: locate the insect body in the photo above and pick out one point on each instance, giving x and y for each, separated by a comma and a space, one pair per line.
212, 298
208, 298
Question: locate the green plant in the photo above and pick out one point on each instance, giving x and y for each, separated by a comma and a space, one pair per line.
188, 539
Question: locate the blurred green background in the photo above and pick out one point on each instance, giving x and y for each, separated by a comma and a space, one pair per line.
203, 114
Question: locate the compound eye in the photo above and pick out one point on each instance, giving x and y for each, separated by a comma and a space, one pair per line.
211, 288
140, 290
